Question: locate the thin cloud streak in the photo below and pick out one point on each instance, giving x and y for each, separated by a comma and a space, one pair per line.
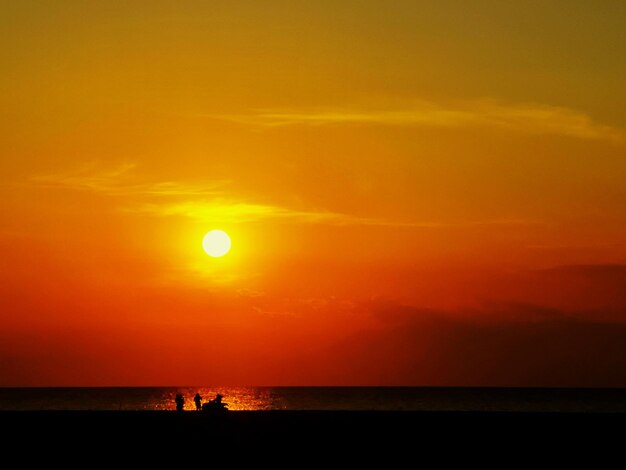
527, 118
210, 202
240, 212
115, 182
243, 212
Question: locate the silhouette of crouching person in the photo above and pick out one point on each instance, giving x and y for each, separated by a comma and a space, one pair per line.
215, 405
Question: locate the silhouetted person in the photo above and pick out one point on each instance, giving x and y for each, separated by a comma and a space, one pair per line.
198, 400
180, 402
215, 405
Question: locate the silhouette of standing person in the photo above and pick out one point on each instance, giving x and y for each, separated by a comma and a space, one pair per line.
180, 402
198, 400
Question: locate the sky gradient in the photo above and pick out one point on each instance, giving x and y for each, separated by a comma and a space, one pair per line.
417, 193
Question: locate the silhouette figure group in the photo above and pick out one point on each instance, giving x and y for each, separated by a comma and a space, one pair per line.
214, 405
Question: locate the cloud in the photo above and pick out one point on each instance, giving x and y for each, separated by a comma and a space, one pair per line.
600, 287
229, 211
210, 201
498, 345
235, 212
118, 182
203, 202
525, 117
602, 272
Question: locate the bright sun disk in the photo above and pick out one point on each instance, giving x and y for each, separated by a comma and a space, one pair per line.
216, 243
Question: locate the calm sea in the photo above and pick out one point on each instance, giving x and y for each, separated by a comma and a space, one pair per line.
319, 398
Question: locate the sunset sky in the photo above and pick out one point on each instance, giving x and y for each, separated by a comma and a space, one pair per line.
417, 192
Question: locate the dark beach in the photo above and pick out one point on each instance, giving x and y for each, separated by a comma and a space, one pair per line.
508, 429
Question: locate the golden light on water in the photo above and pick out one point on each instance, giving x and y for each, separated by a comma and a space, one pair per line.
237, 398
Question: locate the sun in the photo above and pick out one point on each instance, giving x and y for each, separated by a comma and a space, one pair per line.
216, 243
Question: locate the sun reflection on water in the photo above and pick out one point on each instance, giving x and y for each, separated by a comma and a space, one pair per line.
237, 398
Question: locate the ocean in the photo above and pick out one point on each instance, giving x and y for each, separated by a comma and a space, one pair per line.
320, 398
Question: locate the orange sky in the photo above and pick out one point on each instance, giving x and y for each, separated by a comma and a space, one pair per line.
417, 193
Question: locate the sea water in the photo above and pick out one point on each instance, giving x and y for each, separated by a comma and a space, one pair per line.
319, 398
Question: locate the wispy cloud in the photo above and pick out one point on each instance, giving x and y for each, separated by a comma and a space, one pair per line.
229, 211
226, 211
201, 202
119, 181
212, 202
528, 118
